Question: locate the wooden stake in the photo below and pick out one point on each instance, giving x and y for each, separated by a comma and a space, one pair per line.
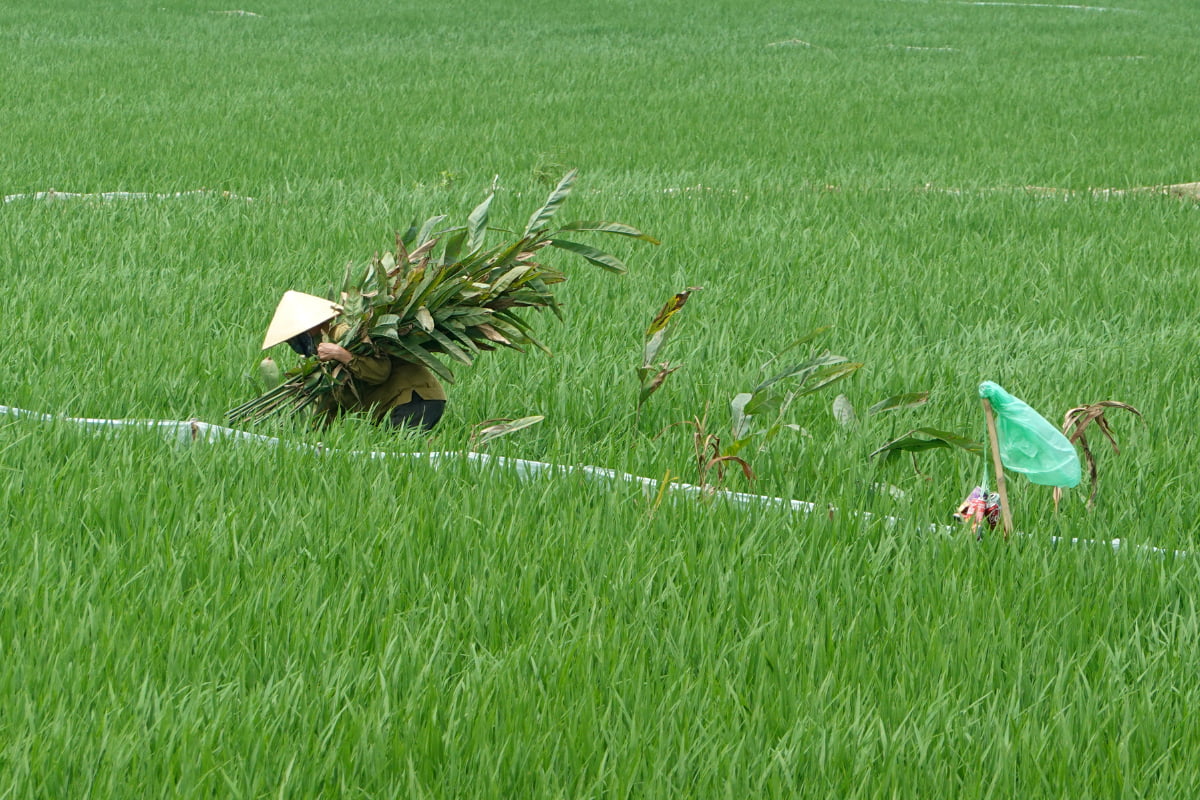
1005, 513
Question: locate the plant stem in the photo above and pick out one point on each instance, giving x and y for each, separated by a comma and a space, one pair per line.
1005, 512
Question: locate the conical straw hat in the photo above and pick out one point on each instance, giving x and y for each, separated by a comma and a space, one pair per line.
298, 312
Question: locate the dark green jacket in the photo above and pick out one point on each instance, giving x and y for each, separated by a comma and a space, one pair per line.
380, 383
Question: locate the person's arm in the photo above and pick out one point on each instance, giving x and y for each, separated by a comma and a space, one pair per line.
372, 370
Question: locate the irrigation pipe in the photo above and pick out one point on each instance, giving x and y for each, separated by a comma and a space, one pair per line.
196, 431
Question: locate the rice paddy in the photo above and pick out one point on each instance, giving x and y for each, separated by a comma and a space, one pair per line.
944, 184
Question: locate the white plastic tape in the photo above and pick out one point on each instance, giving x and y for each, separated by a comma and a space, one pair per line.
110, 196
197, 431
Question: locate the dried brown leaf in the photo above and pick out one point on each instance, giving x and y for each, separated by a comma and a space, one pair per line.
493, 334
422, 251
1075, 423
719, 462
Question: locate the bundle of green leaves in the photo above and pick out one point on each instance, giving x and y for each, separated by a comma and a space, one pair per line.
443, 293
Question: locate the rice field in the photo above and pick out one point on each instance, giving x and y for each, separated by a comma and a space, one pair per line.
947, 185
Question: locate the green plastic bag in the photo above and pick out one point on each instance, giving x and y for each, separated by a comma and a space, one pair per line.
1029, 444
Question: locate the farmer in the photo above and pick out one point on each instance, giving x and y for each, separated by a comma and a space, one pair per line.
399, 392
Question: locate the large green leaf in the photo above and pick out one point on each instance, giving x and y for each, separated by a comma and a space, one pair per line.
405, 240
802, 370
538, 284
824, 377
898, 401
607, 227
512, 319
472, 316
655, 343
911, 443
737, 446
546, 212
477, 225
427, 230
450, 348
376, 281
520, 324
505, 427
742, 426
597, 257
447, 292
417, 296
386, 321
459, 334
763, 402
500, 286
454, 245
505, 256
419, 355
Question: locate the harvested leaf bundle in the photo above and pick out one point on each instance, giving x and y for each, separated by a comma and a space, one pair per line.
443, 294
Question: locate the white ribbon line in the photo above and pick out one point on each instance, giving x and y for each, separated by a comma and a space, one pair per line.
1042, 5
197, 431
109, 196
1185, 191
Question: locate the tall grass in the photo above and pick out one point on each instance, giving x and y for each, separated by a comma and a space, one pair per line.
221, 619
239, 620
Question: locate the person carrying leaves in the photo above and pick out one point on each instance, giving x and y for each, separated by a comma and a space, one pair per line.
442, 295
393, 391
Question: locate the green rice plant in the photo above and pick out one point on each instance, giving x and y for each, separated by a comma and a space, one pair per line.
236, 620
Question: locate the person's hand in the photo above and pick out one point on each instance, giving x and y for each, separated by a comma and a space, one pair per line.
327, 351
